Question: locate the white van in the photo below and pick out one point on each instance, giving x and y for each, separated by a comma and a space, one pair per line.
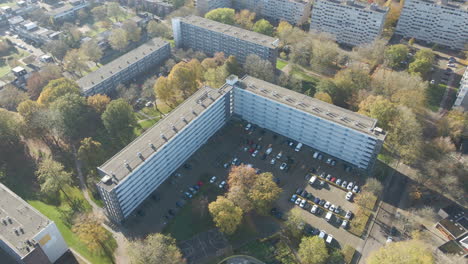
298, 147
312, 180
328, 216
316, 154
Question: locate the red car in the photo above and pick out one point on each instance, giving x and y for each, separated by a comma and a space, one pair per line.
200, 183
333, 179
251, 150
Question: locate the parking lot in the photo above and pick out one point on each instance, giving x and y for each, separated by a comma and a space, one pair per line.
233, 141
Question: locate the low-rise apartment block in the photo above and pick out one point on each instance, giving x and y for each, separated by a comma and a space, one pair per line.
121, 70
210, 37
27, 236
462, 98
136, 171
350, 22
31, 31
434, 21
68, 10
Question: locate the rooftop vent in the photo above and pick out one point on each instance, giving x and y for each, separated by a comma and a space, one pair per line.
9, 220
183, 119
106, 179
21, 230
127, 166
4, 221
151, 145
163, 137
16, 231
174, 128
140, 156
194, 112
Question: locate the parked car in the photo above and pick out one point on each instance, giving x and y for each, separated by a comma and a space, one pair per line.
293, 198
222, 185
283, 166
349, 196
350, 186
298, 191
235, 162
303, 203
304, 193
348, 214
322, 202
298, 201
327, 205
255, 153
328, 177
322, 184
389, 239
333, 179
268, 151
180, 203
343, 185
188, 195
248, 127
337, 209
316, 154
273, 161
312, 180
356, 189
226, 165
338, 182
298, 147
322, 234
213, 179
320, 156
310, 196
329, 216
344, 224
332, 208
329, 239
333, 162
279, 155
329, 161
314, 209
191, 189
322, 175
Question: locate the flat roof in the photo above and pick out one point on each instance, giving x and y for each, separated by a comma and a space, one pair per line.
232, 31
23, 217
454, 227
168, 127
370, 7
313, 106
92, 79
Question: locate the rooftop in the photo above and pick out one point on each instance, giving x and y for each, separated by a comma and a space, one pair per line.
17, 215
122, 62
313, 106
463, 5
232, 31
455, 227
155, 137
371, 7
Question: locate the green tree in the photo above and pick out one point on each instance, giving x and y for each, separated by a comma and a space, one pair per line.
405, 252
119, 121
425, 54
223, 15
336, 257
405, 135
245, 19
294, 224
119, 39
379, 108
395, 54
92, 234
156, 29
132, 29
58, 48
323, 97
454, 125
155, 249
115, 11
283, 26
76, 62
264, 192
258, 68
99, 12
372, 52
178, 3
9, 133
226, 215
53, 177
98, 102
312, 250
232, 66
411, 42
91, 153
262, 26
421, 67
56, 89
215, 77
91, 50
71, 116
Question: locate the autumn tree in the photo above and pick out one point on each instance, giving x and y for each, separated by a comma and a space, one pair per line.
395, 54
114, 10
76, 62
245, 19
57, 88
132, 29
99, 12
38, 80
215, 77
422, 64
405, 252
119, 39
262, 26
294, 224
323, 97
92, 234
91, 153
98, 102
53, 177
240, 180
91, 50
259, 68
226, 215
119, 121
312, 250
264, 192
154, 249
156, 29
454, 125
9, 131
58, 48
373, 185
392, 18
379, 108
186, 77
165, 92
232, 66
372, 52
223, 15
11, 97
283, 27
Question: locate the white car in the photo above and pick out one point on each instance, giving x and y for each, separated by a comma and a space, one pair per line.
350, 186
337, 210
389, 239
348, 196
255, 153
432, 81
283, 166
248, 126
348, 214
235, 161
344, 224
329, 239
222, 184
268, 151
213, 179
332, 208
327, 205
312, 180
329, 161
343, 184
316, 154
338, 182
314, 209
279, 155
356, 189
322, 234
303, 203
298, 201
273, 161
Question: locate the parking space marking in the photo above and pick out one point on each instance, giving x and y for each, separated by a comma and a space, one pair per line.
309, 201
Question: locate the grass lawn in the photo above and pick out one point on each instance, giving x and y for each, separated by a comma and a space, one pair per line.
56, 214
434, 93
8, 3
359, 223
280, 64
308, 82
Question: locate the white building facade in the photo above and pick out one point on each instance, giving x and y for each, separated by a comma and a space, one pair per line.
433, 21
352, 23
462, 98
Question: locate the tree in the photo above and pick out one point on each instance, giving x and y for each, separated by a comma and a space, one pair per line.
301, 53
245, 19
114, 10
283, 26
164, 91
98, 102
119, 121
312, 250
264, 192
53, 177
223, 15
405, 135
38, 80
91, 50
232, 66
379, 108
294, 224
262, 26
411, 41
240, 180
57, 88
392, 18
118, 39
336, 257
91, 153
395, 54
421, 67
404, 252
58, 48
425, 54
92, 234
71, 116
11, 97
258, 68
215, 77
325, 52
27, 109
178, 3
76, 62
99, 12
154, 249
323, 97
454, 125
372, 52
129, 93
184, 78
132, 29
9, 133
373, 185
156, 29
226, 215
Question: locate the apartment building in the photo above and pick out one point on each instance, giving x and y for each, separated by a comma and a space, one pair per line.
350, 22
121, 70
64, 11
462, 98
434, 21
136, 171
210, 37
205, 6
27, 236
31, 31
295, 12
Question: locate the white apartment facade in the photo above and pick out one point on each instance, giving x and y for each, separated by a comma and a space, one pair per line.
434, 21
136, 171
462, 98
350, 22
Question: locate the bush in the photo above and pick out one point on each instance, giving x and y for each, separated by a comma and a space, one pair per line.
359, 223
366, 200
348, 253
